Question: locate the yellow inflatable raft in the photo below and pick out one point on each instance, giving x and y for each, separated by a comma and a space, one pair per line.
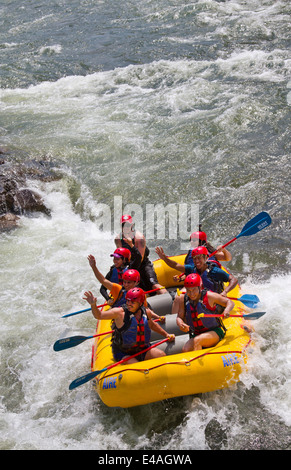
177, 373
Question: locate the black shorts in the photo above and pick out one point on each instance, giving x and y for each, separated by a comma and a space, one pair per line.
148, 277
119, 355
219, 331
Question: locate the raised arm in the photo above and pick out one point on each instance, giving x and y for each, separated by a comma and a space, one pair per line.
117, 241
116, 314
99, 276
170, 262
223, 254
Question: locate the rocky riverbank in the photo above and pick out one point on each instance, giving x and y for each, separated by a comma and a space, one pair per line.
16, 196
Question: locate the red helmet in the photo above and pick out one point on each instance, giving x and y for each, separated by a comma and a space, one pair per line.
136, 295
198, 236
122, 253
126, 218
193, 280
131, 275
200, 250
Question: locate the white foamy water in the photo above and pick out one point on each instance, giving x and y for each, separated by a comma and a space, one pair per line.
122, 106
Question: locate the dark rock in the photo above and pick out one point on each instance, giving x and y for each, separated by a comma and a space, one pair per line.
41, 169
8, 222
215, 435
16, 198
25, 201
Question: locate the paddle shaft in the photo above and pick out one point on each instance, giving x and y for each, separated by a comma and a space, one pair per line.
81, 311
223, 246
206, 315
103, 305
248, 300
72, 341
134, 355
249, 316
254, 225
91, 375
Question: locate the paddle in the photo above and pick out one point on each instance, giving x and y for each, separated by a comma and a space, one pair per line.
72, 341
81, 311
256, 224
103, 305
91, 375
248, 300
249, 316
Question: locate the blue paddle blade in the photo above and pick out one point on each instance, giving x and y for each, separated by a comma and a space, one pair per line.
254, 315
256, 224
250, 303
253, 297
71, 342
250, 300
85, 378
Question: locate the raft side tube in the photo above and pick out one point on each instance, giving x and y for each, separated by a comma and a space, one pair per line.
170, 326
165, 273
174, 347
161, 304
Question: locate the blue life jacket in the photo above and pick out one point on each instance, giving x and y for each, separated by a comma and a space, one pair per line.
189, 259
116, 275
134, 335
209, 282
208, 279
121, 298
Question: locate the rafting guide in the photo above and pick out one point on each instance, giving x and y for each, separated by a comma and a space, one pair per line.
156, 221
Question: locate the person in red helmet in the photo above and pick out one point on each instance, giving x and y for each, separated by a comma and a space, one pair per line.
126, 218
130, 279
130, 276
214, 278
203, 332
122, 253
132, 326
121, 262
130, 238
199, 238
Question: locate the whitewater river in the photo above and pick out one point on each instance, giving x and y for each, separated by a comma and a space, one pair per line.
143, 103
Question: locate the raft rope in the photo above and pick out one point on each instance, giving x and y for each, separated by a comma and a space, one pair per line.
187, 363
